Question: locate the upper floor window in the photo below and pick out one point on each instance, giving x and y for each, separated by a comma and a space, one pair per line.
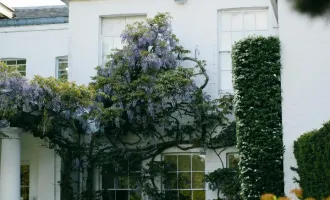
186, 176
234, 25
62, 68
111, 29
20, 64
120, 184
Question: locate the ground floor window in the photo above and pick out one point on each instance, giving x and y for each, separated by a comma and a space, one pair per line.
121, 184
232, 160
25, 181
185, 179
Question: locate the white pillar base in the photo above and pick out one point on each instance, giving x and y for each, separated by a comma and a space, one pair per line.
10, 186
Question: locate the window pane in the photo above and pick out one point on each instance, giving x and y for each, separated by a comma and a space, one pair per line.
113, 26
198, 195
20, 62
249, 21
108, 195
25, 193
233, 160
23, 73
11, 62
133, 179
171, 181
236, 36
225, 24
107, 181
63, 66
122, 194
21, 68
198, 179
134, 195
225, 61
107, 45
185, 195
171, 162
184, 180
198, 163
122, 182
171, 194
226, 80
25, 175
225, 41
261, 21
184, 163
237, 22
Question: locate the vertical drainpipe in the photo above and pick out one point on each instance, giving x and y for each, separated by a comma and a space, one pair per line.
55, 175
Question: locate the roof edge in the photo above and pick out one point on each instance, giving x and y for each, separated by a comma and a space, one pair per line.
66, 2
6, 11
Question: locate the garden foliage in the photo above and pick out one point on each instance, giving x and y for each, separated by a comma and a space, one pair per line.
312, 152
257, 100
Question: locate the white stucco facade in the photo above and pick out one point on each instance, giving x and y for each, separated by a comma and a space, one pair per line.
40, 45
305, 78
305, 73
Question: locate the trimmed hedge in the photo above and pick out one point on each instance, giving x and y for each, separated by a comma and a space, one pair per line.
312, 152
257, 85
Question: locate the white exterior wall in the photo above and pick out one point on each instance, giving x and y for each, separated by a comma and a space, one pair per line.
195, 23
39, 45
305, 78
44, 168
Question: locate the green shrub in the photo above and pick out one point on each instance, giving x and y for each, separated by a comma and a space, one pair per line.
312, 152
225, 181
257, 85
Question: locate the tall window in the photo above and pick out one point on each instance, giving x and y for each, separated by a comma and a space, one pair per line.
62, 67
185, 179
232, 160
20, 64
25, 182
233, 26
120, 184
111, 29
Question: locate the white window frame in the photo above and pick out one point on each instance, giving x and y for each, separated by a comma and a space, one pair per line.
59, 60
102, 36
191, 171
6, 60
221, 52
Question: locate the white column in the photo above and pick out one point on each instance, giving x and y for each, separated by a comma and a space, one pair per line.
10, 165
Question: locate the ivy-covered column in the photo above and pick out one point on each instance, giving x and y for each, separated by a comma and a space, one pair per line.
257, 85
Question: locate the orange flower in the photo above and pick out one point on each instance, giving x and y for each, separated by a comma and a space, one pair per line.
284, 198
298, 193
267, 197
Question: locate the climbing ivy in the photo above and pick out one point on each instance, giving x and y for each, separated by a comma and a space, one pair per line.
257, 100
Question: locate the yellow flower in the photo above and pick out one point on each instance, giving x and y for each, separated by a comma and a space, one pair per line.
298, 193
267, 197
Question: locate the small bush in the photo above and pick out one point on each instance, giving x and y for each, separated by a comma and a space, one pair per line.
225, 181
312, 152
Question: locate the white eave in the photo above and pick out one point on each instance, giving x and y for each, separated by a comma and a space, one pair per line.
66, 2
6, 11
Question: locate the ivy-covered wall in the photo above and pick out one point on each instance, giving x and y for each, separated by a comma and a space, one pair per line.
257, 85
312, 152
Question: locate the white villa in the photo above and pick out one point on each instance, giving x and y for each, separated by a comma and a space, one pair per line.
70, 41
